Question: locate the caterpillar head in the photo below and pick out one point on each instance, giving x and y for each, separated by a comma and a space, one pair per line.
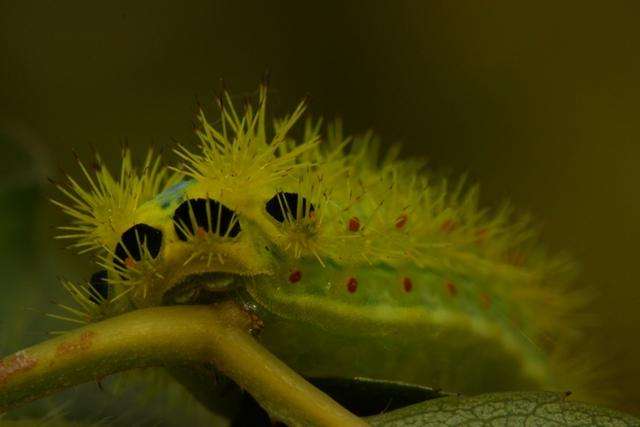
248, 197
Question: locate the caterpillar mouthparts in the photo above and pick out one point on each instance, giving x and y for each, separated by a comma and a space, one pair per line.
201, 288
358, 263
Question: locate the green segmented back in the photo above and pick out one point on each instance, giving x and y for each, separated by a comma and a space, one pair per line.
443, 331
358, 265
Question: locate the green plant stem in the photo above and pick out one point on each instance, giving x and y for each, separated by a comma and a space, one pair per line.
167, 336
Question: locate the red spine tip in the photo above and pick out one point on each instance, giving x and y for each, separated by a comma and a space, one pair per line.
448, 226
401, 221
481, 235
130, 262
485, 300
452, 289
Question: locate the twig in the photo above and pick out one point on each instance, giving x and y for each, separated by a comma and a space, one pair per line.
166, 336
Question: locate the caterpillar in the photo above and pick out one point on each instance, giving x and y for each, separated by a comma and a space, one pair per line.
356, 262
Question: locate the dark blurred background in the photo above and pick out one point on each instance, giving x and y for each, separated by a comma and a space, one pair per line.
538, 102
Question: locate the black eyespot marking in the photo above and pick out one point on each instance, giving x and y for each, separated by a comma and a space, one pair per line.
209, 215
132, 241
285, 206
100, 287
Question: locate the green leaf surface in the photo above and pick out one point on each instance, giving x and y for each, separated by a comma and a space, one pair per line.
505, 409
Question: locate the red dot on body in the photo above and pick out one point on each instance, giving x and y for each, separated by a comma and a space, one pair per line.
201, 232
354, 224
407, 284
295, 276
485, 300
481, 235
352, 285
401, 221
452, 289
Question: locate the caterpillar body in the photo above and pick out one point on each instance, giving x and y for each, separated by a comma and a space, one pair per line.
357, 263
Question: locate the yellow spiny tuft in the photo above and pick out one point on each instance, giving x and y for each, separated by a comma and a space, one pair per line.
133, 277
302, 232
241, 157
206, 242
89, 307
106, 209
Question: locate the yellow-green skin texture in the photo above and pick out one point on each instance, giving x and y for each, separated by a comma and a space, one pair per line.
430, 334
394, 275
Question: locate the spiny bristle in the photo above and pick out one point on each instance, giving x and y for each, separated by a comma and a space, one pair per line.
89, 305
240, 155
101, 213
204, 224
132, 277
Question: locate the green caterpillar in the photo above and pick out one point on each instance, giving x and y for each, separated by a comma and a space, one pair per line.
354, 263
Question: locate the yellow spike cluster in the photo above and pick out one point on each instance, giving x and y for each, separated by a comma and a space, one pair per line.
89, 305
240, 160
105, 207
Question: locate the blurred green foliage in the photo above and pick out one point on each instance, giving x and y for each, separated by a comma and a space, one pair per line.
537, 101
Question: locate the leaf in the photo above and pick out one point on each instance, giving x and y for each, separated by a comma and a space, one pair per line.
505, 409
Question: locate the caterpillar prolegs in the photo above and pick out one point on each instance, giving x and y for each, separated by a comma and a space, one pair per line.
357, 262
